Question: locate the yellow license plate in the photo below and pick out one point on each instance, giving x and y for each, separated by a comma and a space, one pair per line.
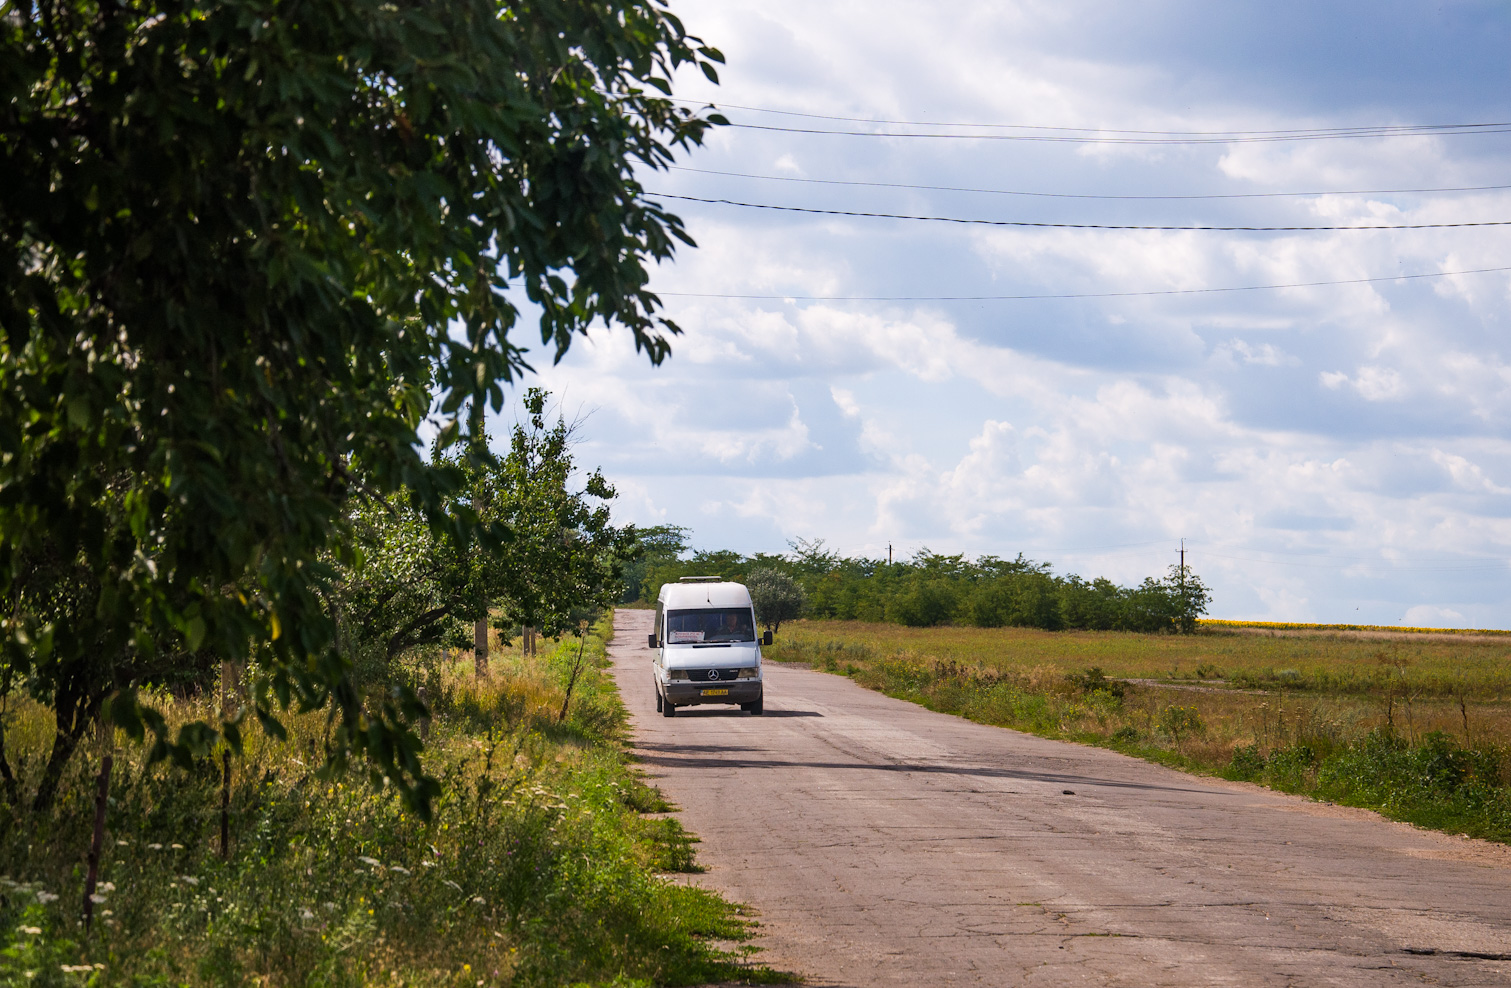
716, 692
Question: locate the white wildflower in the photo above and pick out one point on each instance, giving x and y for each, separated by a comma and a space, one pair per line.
46, 897
447, 881
370, 861
106, 886
306, 914
188, 879
123, 843
154, 847
177, 847
97, 899
330, 907
479, 900
399, 868
427, 863
34, 931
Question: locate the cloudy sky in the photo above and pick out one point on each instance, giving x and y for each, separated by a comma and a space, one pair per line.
1328, 453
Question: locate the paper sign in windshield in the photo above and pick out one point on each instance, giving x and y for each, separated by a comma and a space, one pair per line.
686, 636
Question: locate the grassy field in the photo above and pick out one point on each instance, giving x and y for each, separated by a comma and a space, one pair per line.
545, 863
1418, 727
1332, 662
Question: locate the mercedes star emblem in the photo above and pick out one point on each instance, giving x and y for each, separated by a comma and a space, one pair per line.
713, 674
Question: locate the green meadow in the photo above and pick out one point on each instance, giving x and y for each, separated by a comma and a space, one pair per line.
1417, 726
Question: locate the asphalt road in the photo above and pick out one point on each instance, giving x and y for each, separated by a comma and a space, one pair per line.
884, 844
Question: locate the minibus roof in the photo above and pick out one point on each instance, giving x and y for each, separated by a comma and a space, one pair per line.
679, 596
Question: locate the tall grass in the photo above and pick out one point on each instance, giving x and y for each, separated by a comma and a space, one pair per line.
539, 867
1421, 735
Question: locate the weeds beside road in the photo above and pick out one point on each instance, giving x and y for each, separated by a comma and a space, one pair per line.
1419, 730
539, 868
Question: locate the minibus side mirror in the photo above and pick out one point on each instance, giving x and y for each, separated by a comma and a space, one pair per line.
651, 639
766, 638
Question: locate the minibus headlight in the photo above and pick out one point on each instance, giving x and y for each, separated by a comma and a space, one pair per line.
676, 674
752, 673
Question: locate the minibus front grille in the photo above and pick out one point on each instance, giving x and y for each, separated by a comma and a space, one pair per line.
713, 675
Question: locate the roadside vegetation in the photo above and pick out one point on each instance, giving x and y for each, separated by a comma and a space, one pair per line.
259, 282
543, 863
931, 590
1418, 728
205, 841
250, 267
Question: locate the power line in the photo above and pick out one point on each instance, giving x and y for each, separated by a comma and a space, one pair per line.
972, 221
1292, 133
1024, 298
1084, 195
1067, 139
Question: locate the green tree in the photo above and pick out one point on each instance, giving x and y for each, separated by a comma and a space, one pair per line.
410, 586
776, 596
704, 562
655, 545
1190, 596
923, 601
243, 247
562, 558
1095, 604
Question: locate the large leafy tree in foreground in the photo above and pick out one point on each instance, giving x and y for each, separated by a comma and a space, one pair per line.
245, 244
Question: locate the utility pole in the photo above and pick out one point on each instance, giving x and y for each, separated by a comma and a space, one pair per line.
889, 554
1184, 607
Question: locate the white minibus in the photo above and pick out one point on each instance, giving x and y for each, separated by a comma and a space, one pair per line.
705, 645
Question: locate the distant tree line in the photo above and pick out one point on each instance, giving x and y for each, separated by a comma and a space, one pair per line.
932, 589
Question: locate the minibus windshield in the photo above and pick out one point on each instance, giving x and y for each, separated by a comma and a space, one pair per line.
710, 624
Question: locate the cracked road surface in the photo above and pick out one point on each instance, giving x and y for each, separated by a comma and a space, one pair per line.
884, 844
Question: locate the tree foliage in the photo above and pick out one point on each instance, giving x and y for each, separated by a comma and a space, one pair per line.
776, 596
655, 545
246, 249
933, 589
410, 586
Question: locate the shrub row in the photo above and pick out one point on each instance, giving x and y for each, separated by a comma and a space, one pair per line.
932, 589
